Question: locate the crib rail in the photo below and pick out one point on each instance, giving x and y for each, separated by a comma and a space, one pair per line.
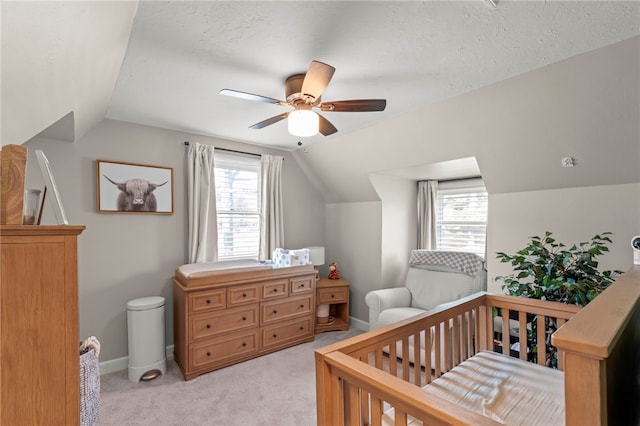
358, 378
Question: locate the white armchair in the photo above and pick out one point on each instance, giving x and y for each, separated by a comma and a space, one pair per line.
433, 278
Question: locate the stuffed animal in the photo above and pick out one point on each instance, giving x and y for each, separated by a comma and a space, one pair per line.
333, 271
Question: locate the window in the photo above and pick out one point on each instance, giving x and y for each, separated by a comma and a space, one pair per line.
238, 205
461, 216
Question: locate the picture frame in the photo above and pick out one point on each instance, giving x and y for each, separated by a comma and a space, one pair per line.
132, 188
51, 189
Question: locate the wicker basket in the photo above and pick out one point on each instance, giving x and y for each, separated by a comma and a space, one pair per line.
89, 388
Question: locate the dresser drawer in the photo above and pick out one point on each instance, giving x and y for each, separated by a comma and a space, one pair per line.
281, 334
289, 308
224, 348
273, 289
301, 285
332, 295
222, 321
243, 295
202, 301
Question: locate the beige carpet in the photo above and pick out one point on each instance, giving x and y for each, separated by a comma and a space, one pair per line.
273, 390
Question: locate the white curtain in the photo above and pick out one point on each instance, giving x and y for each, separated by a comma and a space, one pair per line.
271, 218
203, 224
427, 190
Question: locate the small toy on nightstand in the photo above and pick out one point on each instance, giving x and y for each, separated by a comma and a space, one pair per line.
333, 271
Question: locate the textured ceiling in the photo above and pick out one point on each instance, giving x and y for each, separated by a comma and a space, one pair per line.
180, 55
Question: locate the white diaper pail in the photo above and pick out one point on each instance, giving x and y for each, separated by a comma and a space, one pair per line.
145, 324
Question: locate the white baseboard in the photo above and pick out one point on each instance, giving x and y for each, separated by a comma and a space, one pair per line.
118, 364
359, 324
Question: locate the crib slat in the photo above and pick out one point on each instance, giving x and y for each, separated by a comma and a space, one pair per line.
446, 333
400, 418
522, 334
542, 345
376, 411
456, 341
405, 359
417, 379
428, 336
393, 360
378, 359
364, 397
506, 332
437, 349
469, 332
561, 321
351, 402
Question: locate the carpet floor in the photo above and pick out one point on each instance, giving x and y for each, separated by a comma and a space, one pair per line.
277, 389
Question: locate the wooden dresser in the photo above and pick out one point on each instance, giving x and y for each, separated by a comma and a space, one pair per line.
39, 354
232, 316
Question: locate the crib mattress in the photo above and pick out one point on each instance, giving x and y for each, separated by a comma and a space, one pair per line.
505, 389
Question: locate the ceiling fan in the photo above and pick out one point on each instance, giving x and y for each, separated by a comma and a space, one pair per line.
303, 92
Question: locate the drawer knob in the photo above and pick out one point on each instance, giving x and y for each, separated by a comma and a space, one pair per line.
275, 312
275, 335
208, 301
244, 294
244, 344
275, 290
302, 286
301, 306
301, 328
244, 318
332, 296
208, 353
208, 325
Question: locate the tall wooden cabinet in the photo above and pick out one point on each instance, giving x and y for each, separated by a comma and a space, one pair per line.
39, 337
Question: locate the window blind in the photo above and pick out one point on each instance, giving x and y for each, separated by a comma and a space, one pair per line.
238, 205
461, 223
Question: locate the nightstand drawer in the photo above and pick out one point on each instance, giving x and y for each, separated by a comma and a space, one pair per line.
202, 301
220, 322
277, 335
224, 348
332, 295
279, 310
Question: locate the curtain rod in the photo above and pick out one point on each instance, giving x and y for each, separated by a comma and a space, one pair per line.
453, 179
186, 143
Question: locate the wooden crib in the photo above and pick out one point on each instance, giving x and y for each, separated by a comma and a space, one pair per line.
371, 379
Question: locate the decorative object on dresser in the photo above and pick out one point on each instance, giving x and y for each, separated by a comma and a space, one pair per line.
40, 380
12, 170
50, 183
316, 256
231, 311
133, 188
333, 271
335, 295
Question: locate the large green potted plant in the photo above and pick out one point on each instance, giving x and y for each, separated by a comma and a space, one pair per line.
548, 270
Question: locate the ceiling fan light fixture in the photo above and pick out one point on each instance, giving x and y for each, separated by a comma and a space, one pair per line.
303, 123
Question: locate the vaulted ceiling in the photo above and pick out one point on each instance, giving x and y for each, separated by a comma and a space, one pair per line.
164, 63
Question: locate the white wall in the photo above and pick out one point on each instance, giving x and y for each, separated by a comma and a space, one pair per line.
573, 215
399, 226
126, 256
354, 242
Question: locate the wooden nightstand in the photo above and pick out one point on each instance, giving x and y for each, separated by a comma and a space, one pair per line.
335, 293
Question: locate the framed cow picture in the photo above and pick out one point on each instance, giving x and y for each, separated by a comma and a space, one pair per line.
133, 188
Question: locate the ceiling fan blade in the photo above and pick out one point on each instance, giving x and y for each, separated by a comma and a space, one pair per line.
251, 97
270, 121
317, 79
355, 105
325, 126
